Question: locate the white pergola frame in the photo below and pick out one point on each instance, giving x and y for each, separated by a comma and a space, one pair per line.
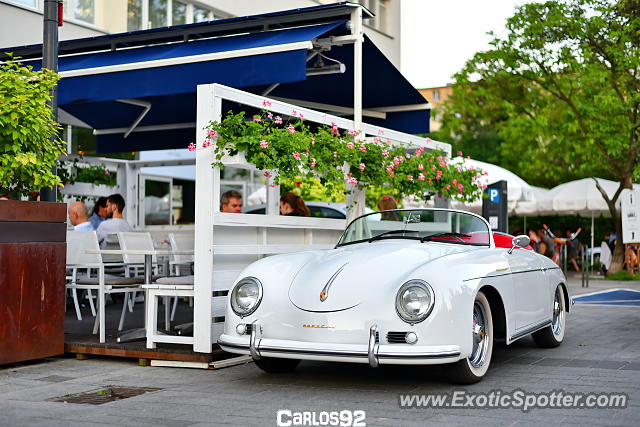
207, 205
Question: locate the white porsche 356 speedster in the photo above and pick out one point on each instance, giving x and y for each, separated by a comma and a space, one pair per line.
412, 287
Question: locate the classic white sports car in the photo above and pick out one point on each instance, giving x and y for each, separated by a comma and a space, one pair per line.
413, 287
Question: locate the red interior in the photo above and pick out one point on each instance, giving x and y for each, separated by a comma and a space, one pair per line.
503, 240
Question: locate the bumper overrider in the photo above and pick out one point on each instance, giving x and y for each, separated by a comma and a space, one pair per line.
372, 353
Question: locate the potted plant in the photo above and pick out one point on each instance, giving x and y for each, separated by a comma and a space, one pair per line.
32, 234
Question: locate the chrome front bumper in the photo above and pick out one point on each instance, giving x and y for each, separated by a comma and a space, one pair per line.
373, 353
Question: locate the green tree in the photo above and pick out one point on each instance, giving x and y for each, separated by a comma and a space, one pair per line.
27, 155
561, 90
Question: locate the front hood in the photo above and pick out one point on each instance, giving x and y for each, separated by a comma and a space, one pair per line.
342, 278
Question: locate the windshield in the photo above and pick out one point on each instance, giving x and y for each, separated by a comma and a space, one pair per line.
425, 225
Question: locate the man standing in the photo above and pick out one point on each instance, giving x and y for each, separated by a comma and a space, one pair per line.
79, 217
116, 221
231, 202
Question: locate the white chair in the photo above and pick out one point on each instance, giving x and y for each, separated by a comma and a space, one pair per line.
177, 286
181, 242
78, 243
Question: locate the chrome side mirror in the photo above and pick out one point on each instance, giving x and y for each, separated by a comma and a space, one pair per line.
521, 241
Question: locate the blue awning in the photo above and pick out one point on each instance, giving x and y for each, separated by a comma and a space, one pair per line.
98, 87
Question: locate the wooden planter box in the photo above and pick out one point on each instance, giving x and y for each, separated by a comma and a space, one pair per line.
32, 279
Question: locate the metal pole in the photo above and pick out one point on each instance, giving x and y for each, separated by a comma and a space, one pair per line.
50, 61
592, 237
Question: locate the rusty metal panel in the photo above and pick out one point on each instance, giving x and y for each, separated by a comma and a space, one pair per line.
32, 300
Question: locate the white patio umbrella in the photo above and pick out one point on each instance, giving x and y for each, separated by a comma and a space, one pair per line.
538, 204
517, 188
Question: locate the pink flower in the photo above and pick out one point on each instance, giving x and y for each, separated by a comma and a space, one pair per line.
313, 163
266, 174
439, 173
437, 177
443, 164
206, 143
256, 118
296, 155
410, 177
191, 147
291, 129
447, 187
278, 120
428, 140
392, 174
420, 167
361, 167
389, 169
376, 139
439, 158
334, 128
460, 187
389, 142
300, 115
460, 153
385, 153
270, 115
421, 177
298, 183
350, 144
266, 103
107, 172
408, 156
294, 113
335, 154
380, 132
459, 168
352, 181
363, 148
401, 159
313, 141
353, 132
455, 181
429, 180
486, 173
264, 144
273, 185
433, 168
396, 161
212, 133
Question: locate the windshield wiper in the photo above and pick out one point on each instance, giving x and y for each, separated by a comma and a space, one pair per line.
386, 233
448, 234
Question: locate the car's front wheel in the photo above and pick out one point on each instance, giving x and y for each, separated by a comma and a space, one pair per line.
552, 335
277, 366
472, 369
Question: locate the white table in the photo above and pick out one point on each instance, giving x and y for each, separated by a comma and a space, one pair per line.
139, 333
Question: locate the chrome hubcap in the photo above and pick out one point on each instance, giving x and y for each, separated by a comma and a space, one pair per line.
480, 338
558, 313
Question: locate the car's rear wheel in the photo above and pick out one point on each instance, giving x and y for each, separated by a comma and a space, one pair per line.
277, 366
552, 335
472, 369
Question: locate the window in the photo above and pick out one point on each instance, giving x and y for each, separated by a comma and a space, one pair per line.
379, 8
82, 10
158, 13
200, 14
179, 13
436, 95
31, 3
142, 14
134, 15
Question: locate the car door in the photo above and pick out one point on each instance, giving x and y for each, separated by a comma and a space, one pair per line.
530, 286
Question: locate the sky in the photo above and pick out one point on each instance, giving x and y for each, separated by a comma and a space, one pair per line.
439, 36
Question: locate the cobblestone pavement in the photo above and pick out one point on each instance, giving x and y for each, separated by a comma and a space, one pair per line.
601, 353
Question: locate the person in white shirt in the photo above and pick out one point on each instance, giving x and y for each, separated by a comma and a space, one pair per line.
116, 221
79, 217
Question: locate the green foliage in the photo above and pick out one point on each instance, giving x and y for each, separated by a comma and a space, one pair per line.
69, 173
557, 97
623, 275
27, 155
333, 158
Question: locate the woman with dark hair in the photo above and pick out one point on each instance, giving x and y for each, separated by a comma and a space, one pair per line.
100, 212
293, 205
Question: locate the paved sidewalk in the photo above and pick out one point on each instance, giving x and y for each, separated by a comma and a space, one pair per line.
601, 353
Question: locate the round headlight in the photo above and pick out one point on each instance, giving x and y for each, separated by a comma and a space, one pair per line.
414, 301
246, 296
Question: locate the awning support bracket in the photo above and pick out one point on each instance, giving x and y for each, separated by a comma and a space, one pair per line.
146, 105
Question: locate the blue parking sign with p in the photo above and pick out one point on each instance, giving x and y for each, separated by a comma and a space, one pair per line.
494, 195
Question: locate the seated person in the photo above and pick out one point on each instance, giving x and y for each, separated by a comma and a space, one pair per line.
116, 221
231, 202
293, 205
79, 217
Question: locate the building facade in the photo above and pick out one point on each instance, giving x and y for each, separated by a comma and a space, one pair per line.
21, 20
436, 96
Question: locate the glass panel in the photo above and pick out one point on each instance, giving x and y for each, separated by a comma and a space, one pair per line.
179, 13
85, 10
31, 3
158, 13
157, 202
134, 15
428, 225
200, 14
